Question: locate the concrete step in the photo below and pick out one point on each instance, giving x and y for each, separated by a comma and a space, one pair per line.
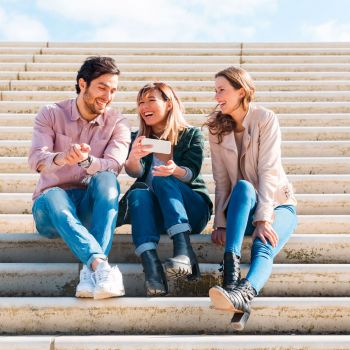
177, 57
152, 45
12, 67
4, 85
288, 51
292, 165
195, 107
60, 280
20, 58
205, 85
18, 148
321, 224
137, 51
275, 315
305, 184
236, 45
20, 50
128, 58
335, 120
294, 45
8, 76
196, 51
184, 67
291, 133
187, 76
305, 248
308, 204
22, 44
175, 342
205, 96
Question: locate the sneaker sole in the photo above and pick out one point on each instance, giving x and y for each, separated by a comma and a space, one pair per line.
106, 295
177, 271
221, 301
83, 294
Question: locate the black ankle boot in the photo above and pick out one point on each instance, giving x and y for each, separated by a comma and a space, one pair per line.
155, 280
184, 262
231, 271
237, 300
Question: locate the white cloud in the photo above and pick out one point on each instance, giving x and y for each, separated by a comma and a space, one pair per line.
162, 20
19, 27
328, 31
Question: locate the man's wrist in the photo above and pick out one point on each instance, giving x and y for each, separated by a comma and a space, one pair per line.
59, 159
86, 163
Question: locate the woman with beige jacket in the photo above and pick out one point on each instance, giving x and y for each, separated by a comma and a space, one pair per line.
252, 193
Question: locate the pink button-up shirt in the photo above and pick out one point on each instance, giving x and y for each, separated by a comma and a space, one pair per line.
59, 125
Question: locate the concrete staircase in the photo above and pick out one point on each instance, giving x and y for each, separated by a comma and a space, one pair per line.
306, 303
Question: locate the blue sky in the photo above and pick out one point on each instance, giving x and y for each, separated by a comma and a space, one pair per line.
175, 20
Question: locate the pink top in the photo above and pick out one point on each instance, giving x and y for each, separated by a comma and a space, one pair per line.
59, 125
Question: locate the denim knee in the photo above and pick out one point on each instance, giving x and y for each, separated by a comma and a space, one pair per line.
259, 249
41, 210
244, 189
106, 183
138, 195
158, 182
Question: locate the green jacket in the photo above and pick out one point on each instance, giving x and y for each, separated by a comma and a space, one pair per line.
188, 152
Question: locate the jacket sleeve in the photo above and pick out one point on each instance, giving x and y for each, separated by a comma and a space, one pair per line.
269, 163
41, 152
193, 155
222, 182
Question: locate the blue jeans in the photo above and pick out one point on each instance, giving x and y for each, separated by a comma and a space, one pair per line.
172, 207
84, 218
240, 213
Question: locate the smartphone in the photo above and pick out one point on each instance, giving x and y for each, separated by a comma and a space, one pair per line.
158, 146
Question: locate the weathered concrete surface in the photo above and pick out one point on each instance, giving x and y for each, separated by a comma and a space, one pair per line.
301, 248
170, 316
60, 279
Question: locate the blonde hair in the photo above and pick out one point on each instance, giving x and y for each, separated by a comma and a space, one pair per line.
221, 124
175, 119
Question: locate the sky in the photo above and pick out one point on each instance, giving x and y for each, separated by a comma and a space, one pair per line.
175, 20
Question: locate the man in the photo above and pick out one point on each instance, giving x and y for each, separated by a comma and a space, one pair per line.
79, 146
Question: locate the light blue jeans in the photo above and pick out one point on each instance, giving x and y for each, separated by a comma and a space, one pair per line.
240, 213
171, 207
84, 218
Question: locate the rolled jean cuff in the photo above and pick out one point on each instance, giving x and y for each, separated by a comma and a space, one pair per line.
144, 247
174, 230
94, 257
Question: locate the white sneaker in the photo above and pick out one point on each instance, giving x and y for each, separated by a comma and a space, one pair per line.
108, 282
86, 286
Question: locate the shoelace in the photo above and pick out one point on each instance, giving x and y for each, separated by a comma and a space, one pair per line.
86, 276
103, 275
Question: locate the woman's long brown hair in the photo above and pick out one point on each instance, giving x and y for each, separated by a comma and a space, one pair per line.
220, 124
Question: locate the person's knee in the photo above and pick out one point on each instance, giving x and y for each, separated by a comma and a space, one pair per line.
54, 200
139, 196
244, 190
106, 184
160, 183
260, 249
42, 223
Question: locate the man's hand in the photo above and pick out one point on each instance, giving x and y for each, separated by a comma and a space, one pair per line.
74, 155
218, 236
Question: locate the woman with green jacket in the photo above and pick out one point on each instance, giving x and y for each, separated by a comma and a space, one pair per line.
169, 195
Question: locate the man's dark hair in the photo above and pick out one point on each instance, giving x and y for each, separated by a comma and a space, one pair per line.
94, 67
